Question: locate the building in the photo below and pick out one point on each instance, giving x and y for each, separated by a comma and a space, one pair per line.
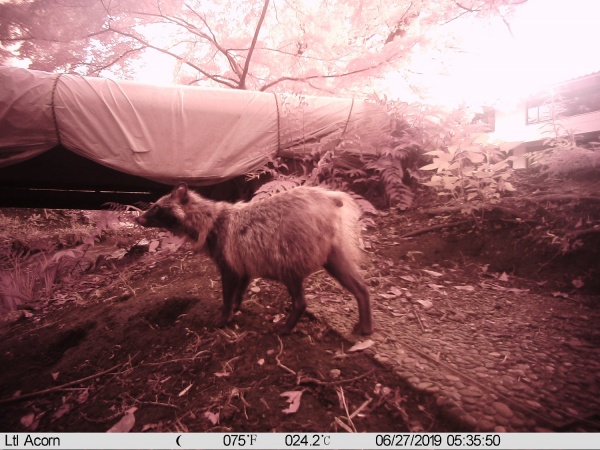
572, 106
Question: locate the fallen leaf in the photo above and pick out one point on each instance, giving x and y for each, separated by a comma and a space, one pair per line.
339, 355
433, 273
27, 420
408, 278
213, 418
82, 398
293, 398
360, 346
261, 361
503, 277
222, 374
150, 426
186, 390
255, 289
427, 304
395, 290
61, 411
153, 245
126, 423
411, 254
435, 287
467, 288
118, 254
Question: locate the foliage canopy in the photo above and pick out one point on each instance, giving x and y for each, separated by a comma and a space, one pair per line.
330, 46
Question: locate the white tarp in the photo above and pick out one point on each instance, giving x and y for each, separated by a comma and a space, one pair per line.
167, 133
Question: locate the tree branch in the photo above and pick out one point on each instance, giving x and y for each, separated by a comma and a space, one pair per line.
105, 66
253, 45
315, 77
304, 55
506, 22
215, 78
465, 7
201, 34
232, 62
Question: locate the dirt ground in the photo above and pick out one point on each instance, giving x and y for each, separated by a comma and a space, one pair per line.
147, 340
129, 332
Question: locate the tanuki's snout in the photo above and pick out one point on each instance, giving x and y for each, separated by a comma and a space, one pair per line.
141, 220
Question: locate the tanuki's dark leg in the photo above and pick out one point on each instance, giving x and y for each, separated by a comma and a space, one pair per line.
238, 296
231, 284
344, 270
296, 291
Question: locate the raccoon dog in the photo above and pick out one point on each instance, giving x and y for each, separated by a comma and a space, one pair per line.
285, 237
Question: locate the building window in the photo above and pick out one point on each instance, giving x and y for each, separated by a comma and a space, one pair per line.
537, 113
573, 99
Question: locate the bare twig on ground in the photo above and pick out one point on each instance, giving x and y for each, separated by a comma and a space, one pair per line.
306, 380
345, 405
62, 386
149, 402
160, 363
358, 410
416, 313
435, 227
343, 425
279, 364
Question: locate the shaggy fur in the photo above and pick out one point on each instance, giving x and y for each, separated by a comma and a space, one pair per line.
286, 238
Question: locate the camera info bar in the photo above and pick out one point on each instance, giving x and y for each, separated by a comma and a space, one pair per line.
126, 441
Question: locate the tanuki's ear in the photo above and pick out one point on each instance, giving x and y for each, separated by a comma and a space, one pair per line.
180, 193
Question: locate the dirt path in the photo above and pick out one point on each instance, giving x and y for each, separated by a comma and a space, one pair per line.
498, 353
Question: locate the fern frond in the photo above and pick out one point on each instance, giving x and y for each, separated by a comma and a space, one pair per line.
273, 187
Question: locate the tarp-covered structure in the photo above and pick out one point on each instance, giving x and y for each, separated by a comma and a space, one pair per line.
168, 134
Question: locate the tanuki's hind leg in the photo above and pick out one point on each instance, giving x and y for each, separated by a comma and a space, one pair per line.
296, 290
234, 288
238, 297
345, 271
